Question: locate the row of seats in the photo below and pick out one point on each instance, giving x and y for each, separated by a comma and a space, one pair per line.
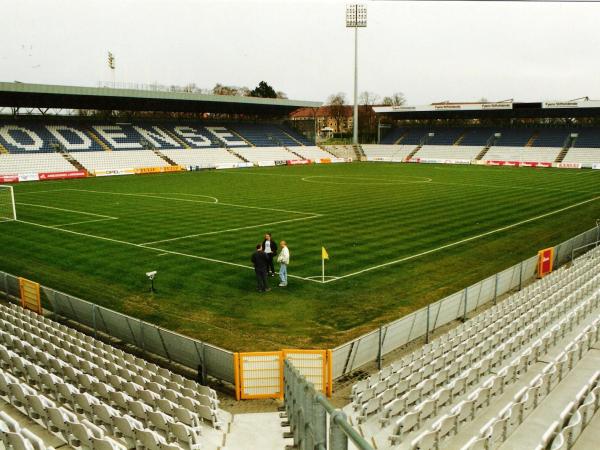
425, 386
21, 163
312, 152
574, 418
260, 154
201, 157
132, 159
498, 429
526, 154
82, 390
467, 336
398, 152
481, 136
448, 152
36, 137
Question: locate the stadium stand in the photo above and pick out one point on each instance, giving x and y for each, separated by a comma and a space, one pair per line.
477, 137
201, 157
537, 154
445, 136
311, 153
584, 156
34, 163
449, 152
115, 160
90, 395
262, 135
587, 138
551, 137
392, 136
388, 151
259, 154
523, 374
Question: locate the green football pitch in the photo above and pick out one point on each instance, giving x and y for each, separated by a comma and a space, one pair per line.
398, 236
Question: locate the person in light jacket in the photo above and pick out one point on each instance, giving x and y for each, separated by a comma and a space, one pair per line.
283, 259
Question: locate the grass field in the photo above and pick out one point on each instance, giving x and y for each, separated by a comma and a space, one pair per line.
398, 236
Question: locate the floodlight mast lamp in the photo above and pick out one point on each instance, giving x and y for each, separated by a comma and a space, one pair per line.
356, 17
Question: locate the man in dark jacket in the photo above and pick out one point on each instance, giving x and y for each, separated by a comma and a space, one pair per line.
261, 263
269, 247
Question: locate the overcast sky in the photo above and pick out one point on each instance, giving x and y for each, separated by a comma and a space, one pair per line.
430, 51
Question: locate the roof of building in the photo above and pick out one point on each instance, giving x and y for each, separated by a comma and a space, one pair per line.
503, 109
77, 97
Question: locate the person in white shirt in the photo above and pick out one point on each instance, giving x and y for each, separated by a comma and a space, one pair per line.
270, 248
283, 259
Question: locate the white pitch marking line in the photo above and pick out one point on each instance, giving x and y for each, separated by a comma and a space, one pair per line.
452, 244
379, 181
217, 202
83, 221
68, 210
230, 229
39, 192
161, 250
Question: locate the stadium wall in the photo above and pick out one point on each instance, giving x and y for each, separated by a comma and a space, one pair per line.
371, 346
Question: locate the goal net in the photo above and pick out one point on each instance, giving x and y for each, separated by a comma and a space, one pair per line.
7, 204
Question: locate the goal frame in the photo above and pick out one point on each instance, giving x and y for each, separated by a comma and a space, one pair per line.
12, 198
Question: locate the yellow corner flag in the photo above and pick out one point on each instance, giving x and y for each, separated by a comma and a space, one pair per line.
324, 254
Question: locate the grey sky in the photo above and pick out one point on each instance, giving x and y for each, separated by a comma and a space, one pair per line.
429, 50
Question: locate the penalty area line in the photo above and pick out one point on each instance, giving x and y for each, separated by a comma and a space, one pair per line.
462, 241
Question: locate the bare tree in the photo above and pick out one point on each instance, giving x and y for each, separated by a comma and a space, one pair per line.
366, 115
221, 89
337, 108
396, 99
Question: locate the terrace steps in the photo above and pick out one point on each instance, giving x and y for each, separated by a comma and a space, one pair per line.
532, 139
482, 153
569, 142
461, 138
176, 138
415, 150
293, 152
99, 141
292, 137
237, 134
401, 138
233, 152
164, 157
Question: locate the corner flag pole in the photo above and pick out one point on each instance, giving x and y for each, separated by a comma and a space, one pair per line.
324, 256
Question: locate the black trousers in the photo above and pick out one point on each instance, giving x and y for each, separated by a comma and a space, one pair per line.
261, 279
270, 260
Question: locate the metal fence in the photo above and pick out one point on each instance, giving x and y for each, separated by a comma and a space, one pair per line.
149, 338
314, 423
372, 346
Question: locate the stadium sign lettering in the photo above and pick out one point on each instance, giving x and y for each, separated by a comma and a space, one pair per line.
9, 178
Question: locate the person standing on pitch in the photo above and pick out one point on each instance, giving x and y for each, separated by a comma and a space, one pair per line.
261, 264
270, 248
283, 259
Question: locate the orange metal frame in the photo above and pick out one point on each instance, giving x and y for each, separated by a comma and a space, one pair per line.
30, 295
541, 255
238, 369
239, 375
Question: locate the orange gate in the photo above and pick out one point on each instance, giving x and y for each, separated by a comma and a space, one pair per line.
260, 374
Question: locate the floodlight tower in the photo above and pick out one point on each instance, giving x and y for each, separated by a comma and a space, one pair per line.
356, 17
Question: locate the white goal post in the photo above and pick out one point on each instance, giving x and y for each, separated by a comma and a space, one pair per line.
8, 211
